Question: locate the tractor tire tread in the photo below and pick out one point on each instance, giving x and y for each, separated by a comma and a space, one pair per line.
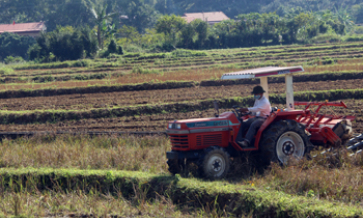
203, 161
173, 167
271, 135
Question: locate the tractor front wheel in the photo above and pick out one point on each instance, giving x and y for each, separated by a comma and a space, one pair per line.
215, 164
175, 166
282, 141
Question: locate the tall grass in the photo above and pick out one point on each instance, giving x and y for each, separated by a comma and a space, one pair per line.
145, 154
330, 177
80, 204
325, 177
220, 196
54, 65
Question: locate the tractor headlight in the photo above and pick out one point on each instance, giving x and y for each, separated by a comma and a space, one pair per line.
170, 125
178, 126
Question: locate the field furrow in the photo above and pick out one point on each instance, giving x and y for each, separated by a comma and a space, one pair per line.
152, 97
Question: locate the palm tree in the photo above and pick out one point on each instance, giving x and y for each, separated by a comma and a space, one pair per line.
344, 18
102, 20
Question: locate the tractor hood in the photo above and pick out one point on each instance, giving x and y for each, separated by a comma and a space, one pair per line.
214, 124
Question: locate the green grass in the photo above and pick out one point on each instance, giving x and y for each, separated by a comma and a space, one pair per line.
236, 199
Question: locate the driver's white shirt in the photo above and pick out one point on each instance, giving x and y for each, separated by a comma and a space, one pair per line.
262, 107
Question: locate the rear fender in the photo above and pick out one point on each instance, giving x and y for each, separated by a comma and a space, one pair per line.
276, 116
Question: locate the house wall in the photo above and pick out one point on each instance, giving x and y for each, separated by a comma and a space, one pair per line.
32, 34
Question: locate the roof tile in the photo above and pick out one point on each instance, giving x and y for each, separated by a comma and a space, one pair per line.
215, 16
22, 27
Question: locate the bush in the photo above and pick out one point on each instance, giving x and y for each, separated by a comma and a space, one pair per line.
165, 47
112, 47
132, 48
140, 70
152, 56
37, 54
329, 37
132, 55
188, 53
353, 38
119, 50
5, 70
328, 61
81, 63
12, 60
104, 54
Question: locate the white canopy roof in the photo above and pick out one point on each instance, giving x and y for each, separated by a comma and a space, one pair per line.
262, 72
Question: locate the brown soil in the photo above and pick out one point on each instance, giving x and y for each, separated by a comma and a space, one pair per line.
158, 122
133, 98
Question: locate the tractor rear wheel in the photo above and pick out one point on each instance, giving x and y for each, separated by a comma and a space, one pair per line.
282, 141
215, 164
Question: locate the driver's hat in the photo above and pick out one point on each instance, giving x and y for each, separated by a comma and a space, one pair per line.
257, 90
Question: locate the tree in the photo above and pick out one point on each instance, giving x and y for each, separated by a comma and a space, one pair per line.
65, 43
357, 13
170, 26
140, 15
201, 28
102, 20
71, 13
344, 18
187, 35
333, 21
129, 34
89, 41
14, 45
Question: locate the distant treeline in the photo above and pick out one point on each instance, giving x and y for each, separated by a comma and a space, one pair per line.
143, 14
79, 28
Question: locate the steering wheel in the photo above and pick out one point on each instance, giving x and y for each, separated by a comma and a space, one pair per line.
239, 114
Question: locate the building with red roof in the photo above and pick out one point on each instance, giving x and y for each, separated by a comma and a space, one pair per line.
209, 17
23, 29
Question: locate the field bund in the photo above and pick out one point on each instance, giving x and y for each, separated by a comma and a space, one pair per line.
21, 117
235, 199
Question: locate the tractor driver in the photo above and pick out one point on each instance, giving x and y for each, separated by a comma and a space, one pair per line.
262, 109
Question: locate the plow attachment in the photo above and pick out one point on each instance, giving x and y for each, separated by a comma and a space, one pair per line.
333, 132
326, 130
355, 144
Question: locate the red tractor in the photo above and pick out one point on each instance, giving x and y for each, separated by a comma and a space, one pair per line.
287, 133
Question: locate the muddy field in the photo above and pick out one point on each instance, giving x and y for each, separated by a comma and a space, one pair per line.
152, 97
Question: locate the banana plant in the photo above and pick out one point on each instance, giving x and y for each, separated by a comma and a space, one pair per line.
103, 21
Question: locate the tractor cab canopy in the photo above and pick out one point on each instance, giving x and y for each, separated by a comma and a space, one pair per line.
265, 72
